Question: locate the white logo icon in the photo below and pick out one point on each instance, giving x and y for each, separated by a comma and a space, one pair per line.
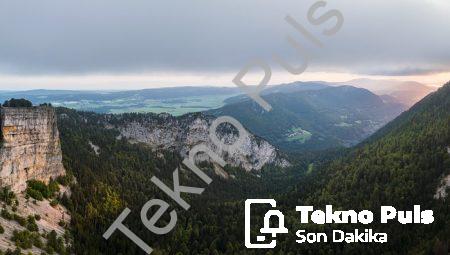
266, 229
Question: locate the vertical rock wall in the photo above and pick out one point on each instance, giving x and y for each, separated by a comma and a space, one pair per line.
29, 147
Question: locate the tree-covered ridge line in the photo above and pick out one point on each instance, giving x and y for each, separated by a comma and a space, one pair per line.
17, 103
400, 166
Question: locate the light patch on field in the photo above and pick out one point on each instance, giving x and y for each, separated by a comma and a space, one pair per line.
343, 124
298, 134
95, 148
310, 168
441, 191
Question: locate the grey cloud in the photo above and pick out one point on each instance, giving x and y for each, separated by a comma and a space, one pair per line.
110, 36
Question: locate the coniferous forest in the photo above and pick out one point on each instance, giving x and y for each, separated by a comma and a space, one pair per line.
401, 165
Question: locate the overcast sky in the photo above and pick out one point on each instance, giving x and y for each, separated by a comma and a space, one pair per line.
92, 44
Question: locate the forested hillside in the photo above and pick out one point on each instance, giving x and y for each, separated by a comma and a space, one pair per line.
314, 118
113, 174
402, 165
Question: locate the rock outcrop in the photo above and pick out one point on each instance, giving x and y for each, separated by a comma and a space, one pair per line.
29, 146
164, 131
50, 219
441, 191
444, 185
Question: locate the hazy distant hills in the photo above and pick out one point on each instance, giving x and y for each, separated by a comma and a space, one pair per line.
405, 92
282, 88
181, 100
314, 119
306, 115
41, 95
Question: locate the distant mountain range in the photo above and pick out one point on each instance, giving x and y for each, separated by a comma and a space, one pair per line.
405, 92
282, 88
314, 119
306, 115
181, 100
41, 95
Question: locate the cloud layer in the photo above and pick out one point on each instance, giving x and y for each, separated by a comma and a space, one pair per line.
49, 37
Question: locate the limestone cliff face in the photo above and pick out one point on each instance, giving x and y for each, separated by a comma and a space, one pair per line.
30, 146
164, 131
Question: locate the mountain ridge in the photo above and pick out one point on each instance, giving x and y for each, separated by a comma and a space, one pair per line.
405, 92
314, 119
403, 164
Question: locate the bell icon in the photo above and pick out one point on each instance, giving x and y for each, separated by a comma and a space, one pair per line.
274, 231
